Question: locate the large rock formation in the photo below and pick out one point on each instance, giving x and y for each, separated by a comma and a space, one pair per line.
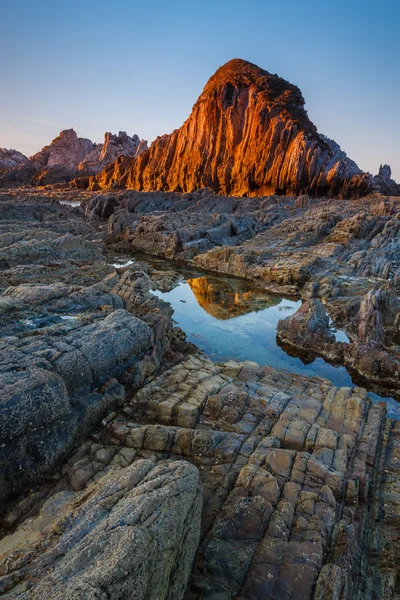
11, 158
113, 146
248, 134
57, 162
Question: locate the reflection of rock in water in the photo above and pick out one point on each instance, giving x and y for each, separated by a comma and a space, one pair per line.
225, 299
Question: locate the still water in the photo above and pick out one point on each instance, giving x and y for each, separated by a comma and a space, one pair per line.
228, 318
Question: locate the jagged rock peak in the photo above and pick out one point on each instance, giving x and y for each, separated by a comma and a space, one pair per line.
247, 135
66, 150
384, 182
112, 147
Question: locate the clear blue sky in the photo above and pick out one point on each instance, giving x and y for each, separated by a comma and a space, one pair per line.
139, 66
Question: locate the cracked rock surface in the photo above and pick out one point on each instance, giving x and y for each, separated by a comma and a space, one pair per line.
299, 478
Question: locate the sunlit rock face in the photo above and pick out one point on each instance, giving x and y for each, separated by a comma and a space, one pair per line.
113, 146
67, 157
222, 301
248, 135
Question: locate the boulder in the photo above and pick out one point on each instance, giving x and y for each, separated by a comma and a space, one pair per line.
133, 534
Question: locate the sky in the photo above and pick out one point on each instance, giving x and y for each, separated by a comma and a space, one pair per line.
139, 66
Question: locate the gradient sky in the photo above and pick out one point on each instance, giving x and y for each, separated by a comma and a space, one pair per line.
139, 66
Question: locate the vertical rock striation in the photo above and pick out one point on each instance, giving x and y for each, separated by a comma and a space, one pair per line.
248, 135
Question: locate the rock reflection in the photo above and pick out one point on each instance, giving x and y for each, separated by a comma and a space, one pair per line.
225, 299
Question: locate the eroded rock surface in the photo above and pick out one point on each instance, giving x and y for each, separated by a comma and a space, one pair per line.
11, 158
298, 502
67, 340
133, 534
113, 146
345, 254
108, 427
65, 158
384, 183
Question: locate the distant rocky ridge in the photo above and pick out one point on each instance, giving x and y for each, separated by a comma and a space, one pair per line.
67, 156
248, 135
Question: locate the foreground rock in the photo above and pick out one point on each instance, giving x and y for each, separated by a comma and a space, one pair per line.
133, 534
248, 135
300, 483
67, 340
102, 410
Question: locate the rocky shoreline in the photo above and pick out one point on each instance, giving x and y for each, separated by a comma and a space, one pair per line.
132, 466
337, 255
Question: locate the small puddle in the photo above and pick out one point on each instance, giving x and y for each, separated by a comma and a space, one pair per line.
120, 265
227, 320
70, 202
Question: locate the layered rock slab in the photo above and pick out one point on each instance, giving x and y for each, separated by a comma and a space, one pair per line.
133, 534
293, 476
66, 342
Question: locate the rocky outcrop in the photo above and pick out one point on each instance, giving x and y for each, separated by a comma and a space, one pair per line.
384, 183
59, 161
70, 335
300, 489
371, 354
53, 392
11, 158
67, 157
309, 330
248, 135
133, 534
113, 146
55, 163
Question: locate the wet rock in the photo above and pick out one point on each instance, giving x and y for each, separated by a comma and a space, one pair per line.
309, 330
